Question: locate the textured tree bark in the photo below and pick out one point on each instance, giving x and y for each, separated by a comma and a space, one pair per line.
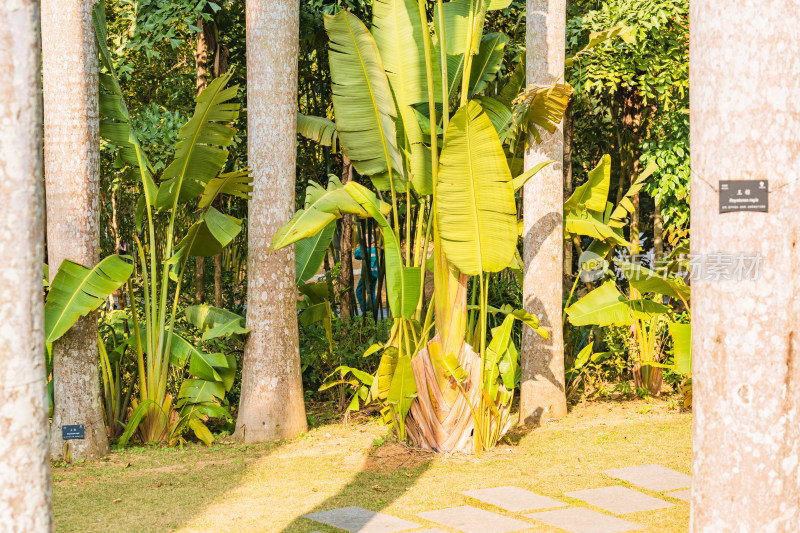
201, 69
346, 282
542, 394
25, 505
71, 163
569, 132
658, 231
745, 101
271, 405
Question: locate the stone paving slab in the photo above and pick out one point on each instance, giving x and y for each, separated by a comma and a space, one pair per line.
685, 495
619, 499
360, 520
653, 477
474, 520
513, 499
582, 520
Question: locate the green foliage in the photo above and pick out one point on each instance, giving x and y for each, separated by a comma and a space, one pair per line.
77, 290
200, 155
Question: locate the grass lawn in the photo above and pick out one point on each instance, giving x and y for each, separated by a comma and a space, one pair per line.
230, 487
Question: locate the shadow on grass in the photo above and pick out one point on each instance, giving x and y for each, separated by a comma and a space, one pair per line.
148, 489
386, 476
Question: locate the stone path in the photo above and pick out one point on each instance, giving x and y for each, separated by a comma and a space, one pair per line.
615, 499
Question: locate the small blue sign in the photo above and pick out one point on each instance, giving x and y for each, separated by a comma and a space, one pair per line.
74, 432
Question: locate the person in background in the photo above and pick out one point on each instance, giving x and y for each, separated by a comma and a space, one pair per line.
372, 272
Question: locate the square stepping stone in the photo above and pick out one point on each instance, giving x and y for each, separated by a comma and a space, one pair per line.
474, 520
582, 520
653, 477
685, 495
619, 499
513, 499
360, 520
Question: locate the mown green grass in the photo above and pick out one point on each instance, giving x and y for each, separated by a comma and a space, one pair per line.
265, 488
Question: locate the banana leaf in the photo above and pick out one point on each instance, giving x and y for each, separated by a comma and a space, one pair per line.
210, 234
76, 291
487, 63
215, 322
323, 206
239, 184
362, 101
201, 150
606, 306
476, 212
310, 253
647, 281
593, 195
319, 129
403, 284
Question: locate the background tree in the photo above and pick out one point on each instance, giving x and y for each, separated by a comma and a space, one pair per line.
746, 476
71, 163
271, 405
24, 456
542, 393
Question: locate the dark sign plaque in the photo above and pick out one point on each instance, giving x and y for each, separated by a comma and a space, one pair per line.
743, 195
73, 432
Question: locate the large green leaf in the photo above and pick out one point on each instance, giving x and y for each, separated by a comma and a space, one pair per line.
319, 129
400, 38
476, 212
210, 234
403, 389
625, 206
200, 391
593, 195
682, 347
362, 100
591, 224
514, 84
385, 374
201, 150
323, 206
458, 27
647, 281
501, 338
76, 291
310, 252
540, 106
239, 184
181, 350
403, 284
487, 63
213, 367
215, 322
606, 306
115, 124
499, 114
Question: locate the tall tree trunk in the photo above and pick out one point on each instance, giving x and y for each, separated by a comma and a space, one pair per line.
542, 394
220, 67
201, 68
569, 131
71, 163
658, 231
746, 334
346, 289
25, 505
271, 405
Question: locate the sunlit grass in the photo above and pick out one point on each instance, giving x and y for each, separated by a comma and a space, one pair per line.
266, 488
